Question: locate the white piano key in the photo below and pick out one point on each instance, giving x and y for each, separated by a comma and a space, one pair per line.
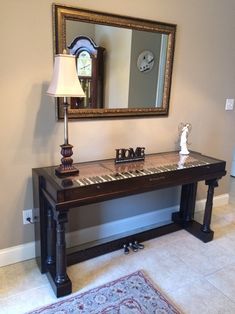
109, 177
90, 181
105, 179
131, 174
81, 183
100, 179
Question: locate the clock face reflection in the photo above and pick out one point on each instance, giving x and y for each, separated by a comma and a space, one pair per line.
84, 64
145, 61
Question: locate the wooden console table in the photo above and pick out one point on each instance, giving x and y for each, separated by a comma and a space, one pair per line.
104, 180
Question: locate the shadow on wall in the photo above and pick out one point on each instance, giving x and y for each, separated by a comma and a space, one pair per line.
46, 130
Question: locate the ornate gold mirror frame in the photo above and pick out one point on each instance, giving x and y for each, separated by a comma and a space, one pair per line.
63, 14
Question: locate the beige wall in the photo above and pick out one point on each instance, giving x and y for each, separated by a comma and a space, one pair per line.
203, 78
117, 44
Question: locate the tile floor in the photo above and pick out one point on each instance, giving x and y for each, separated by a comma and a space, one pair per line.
196, 277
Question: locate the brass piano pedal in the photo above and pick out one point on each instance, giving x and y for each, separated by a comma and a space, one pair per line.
133, 247
126, 249
139, 245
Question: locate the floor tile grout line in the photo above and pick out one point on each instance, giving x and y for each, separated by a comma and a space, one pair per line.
211, 283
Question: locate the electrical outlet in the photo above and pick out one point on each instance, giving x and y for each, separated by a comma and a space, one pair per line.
27, 213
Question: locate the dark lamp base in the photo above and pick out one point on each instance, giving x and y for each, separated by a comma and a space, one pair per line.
61, 172
66, 168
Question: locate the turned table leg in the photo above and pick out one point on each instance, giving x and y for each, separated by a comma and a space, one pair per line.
56, 252
187, 205
50, 236
61, 275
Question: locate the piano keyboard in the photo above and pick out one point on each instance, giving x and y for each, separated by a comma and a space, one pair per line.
136, 173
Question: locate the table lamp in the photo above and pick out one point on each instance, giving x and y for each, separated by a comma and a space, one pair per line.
65, 83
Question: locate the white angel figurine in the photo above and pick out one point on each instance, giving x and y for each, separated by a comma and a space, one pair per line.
184, 138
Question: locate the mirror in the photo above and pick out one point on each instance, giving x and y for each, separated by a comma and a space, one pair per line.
136, 67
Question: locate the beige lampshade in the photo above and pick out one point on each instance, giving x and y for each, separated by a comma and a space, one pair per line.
65, 82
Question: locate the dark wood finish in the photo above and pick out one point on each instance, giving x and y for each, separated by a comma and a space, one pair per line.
93, 85
187, 204
66, 167
209, 204
51, 237
61, 219
61, 14
104, 180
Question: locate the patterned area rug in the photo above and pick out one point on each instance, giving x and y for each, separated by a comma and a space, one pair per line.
132, 294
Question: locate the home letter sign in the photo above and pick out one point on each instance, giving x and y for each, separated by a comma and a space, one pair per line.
129, 154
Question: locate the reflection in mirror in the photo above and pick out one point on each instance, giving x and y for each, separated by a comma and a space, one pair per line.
124, 64
140, 87
90, 71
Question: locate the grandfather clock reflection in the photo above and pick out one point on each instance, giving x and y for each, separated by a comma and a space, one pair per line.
90, 70
87, 101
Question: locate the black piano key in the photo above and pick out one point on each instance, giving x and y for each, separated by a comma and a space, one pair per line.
156, 170
142, 172
119, 175
152, 170
126, 174
98, 179
147, 171
105, 178
162, 169
93, 179
80, 182
137, 172
87, 181
83, 181
115, 176
131, 174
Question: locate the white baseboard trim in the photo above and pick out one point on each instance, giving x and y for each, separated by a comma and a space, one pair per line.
15, 254
26, 251
162, 216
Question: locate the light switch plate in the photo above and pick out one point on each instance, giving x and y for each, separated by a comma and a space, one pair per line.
229, 104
